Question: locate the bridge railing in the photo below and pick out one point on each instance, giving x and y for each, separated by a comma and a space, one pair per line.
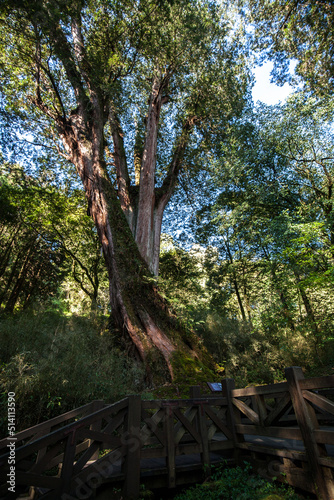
286, 430
68, 453
40, 430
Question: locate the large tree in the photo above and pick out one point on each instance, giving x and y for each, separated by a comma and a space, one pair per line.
122, 90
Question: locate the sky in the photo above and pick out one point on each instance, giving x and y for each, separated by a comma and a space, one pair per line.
267, 92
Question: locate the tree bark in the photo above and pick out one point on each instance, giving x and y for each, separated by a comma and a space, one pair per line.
137, 308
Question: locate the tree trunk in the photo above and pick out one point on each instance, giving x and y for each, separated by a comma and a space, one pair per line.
236, 288
138, 310
283, 299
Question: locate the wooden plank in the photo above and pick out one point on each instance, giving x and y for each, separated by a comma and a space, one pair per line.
151, 426
306, 419
324, 436
317, 382
132, 461
327, 461
270, 450
115, 421
44, 463
107, 466
59, 458
59, 434
260, 405
188, 425
100, 437
26, 478
179, 429
278, 411
158, 452
274, 432
42, 429
253, 417
265, 390
218, 422
222, 445
320, 401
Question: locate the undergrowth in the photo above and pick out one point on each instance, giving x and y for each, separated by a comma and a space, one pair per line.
238, 484
55, 363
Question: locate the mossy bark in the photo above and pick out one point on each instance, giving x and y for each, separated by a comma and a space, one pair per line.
138, 310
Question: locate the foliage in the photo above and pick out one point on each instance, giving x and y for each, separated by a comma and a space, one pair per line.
48, 245
238, 484
55, 363
301, 30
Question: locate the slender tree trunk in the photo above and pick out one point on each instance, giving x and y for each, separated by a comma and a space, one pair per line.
19, 283
283, 299
237, 292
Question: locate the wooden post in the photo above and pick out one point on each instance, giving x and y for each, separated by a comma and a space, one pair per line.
200, 420
203, 430
260, 407
68, 462
132, 440
232, 415
170, 446
195, 391
307, 422
98, 404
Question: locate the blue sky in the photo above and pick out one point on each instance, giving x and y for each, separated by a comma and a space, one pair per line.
267, 92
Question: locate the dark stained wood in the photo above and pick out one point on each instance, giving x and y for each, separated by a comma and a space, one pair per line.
324, 436
68, 463
44, 428
171, 440
273, 432
246, 410
170, 446
260, 405
316, 382
96, 426
320, 401
218, 422
278, 452
264, 390
306, 419
278, 411
233, 417
133, 443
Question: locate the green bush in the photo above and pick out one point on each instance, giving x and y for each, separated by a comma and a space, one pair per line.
55, 363
238, 484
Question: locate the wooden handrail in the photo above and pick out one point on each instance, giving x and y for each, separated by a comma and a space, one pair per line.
253, 424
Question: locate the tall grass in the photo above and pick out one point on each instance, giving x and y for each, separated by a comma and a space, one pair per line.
54, 363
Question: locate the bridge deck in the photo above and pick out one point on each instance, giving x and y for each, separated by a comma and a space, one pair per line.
284, 430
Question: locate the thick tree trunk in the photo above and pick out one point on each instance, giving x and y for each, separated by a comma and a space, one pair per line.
138, 310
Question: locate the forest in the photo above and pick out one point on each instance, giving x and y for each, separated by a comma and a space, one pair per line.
158, 228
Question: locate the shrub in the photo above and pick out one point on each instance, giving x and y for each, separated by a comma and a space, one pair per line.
238, 484
55, 363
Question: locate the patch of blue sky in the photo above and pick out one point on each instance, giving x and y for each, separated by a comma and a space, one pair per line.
266, 91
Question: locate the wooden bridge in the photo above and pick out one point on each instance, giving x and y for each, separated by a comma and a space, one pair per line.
284, 430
